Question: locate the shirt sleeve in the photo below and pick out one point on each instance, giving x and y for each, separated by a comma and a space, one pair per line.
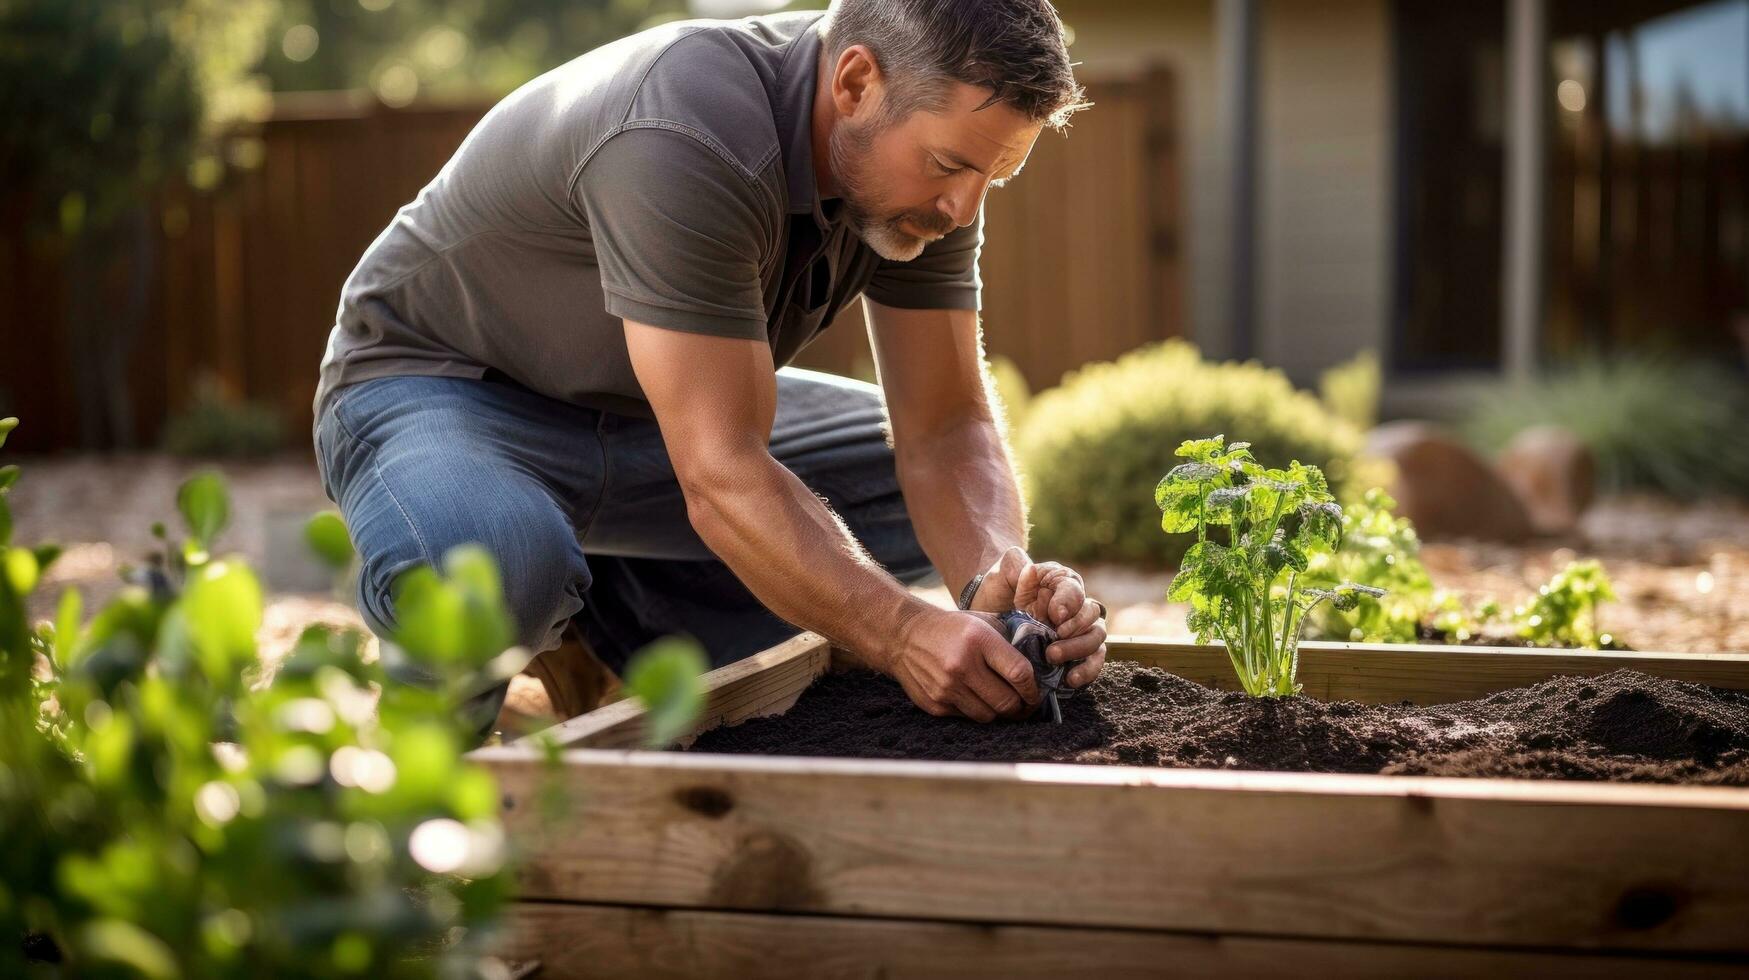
944, 277
680, 234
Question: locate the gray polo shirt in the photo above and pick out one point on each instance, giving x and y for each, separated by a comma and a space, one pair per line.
667, 178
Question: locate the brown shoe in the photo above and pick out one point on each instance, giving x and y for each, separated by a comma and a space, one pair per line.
561, 683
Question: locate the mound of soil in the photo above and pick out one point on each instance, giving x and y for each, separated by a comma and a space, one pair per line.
1624, 726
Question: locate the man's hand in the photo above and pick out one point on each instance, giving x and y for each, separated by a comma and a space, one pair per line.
952, 662
1053, 594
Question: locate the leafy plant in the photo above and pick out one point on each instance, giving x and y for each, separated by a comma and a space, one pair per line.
1378, 549
168, 814
1246, 589
1085, 445
1459, 623
215, 426
1563, 613
1651, 421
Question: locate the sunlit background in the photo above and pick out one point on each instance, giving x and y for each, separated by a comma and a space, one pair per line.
1514, 233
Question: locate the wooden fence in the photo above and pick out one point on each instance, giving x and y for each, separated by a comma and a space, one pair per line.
242, 284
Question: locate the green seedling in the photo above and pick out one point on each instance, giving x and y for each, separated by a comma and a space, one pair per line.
1563, 613
1256, 530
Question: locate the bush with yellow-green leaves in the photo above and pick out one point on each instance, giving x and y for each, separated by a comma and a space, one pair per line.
1092, 448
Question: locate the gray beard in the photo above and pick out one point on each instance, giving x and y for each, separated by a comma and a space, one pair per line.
846, 148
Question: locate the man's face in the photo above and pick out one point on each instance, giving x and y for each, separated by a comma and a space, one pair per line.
908, 182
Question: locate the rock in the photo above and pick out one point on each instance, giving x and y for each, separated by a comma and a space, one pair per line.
1554, 475
1445, 488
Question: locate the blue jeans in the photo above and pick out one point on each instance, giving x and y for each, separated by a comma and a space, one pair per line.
581, 508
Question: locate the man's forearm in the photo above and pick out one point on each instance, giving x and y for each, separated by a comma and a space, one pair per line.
963, 498
796, 557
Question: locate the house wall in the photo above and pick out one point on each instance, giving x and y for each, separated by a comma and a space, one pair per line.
1325, 181
1324, 165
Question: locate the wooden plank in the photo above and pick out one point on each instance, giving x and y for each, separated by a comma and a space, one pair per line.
1467, 862
1383, 673
764, 684
613, 941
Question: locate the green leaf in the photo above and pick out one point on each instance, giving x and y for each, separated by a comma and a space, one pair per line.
1192, 473
67, 628
1280, 553
5, 523
6, 427
667, 676
328, 539
21, 570
1181, 515
425, 757
8, 476
1348, 595
1205, 450
1203, 623
1227, 504
205, 507
471, 568
223, 608
46, 555
1320, 523
122, 942
459, 622
1188, 582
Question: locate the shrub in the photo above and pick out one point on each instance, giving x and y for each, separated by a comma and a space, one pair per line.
1350, 390
1111, 428
216, 426
1652, 421
1008, 386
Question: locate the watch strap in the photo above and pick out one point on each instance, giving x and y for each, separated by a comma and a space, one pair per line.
970, 591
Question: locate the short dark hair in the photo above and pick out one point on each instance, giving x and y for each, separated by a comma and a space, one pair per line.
1014, 48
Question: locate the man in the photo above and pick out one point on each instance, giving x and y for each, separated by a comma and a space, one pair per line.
566, 349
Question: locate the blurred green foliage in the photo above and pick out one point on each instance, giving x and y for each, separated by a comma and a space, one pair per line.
168, 814
1090, 448
1563, 613
401, 49
1378, 549
101, 100
1350, 390
1652, 421
1005, 381
667, 676
216, 426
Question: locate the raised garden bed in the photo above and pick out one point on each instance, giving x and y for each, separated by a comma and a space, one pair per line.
675, 863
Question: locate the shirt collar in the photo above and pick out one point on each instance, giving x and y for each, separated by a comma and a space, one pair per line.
797, 76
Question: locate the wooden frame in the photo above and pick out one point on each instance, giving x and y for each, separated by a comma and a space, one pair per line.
714, 865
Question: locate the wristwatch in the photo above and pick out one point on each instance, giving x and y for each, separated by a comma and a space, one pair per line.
970, 591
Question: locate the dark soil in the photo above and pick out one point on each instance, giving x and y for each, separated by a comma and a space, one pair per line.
1624, 726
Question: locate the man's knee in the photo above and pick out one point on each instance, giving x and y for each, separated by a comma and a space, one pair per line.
539, 561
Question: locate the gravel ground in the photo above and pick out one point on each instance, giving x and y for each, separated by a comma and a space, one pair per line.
1682, 571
